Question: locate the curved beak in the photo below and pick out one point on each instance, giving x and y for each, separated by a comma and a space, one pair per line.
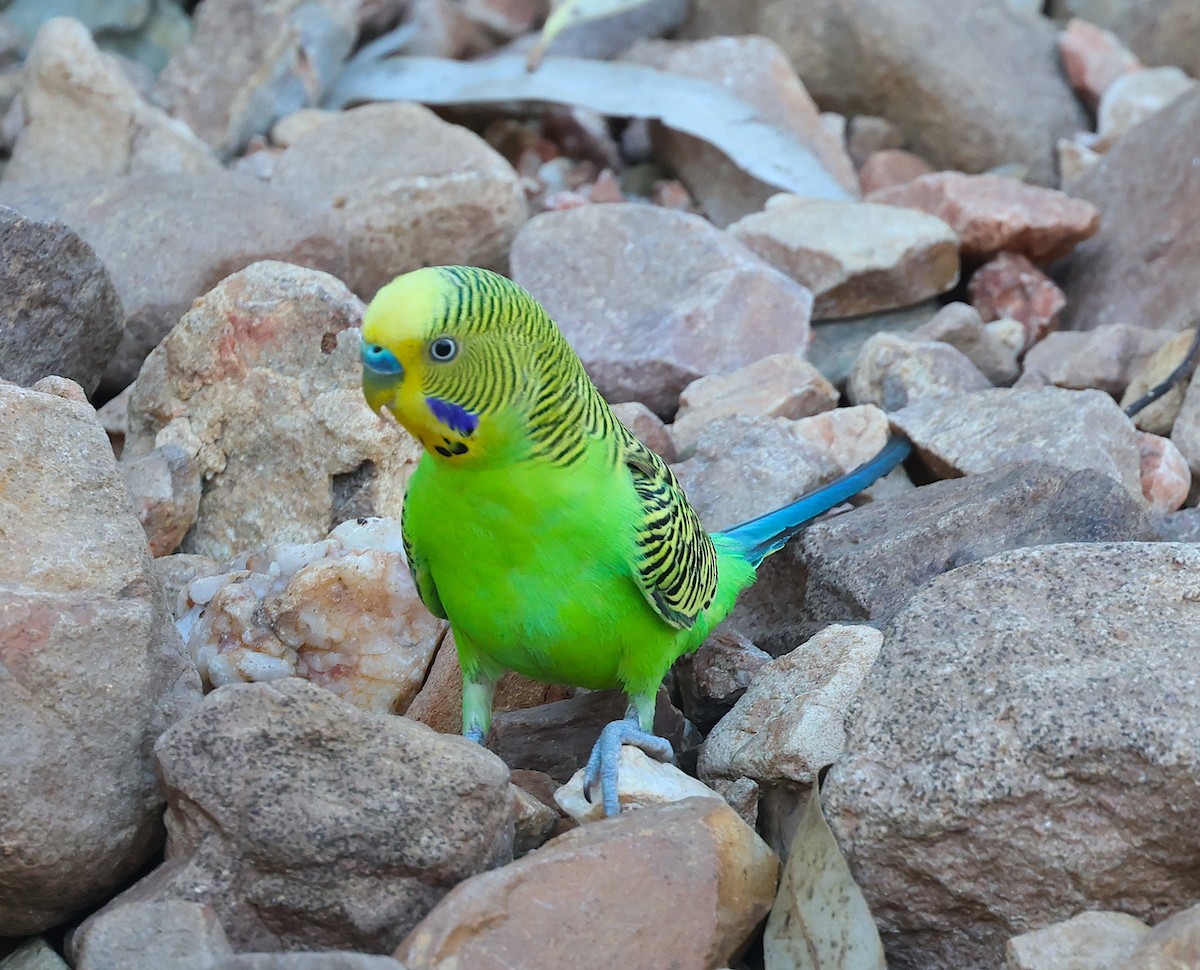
380, 389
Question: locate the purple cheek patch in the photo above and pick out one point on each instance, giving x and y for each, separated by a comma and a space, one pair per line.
454, 416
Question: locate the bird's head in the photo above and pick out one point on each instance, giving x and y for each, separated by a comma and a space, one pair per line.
456, 354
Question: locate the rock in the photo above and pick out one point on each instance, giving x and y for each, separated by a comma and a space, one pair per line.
757, 71
534, 821
991, 89
869, 134
978, 432
1104, 358
114, 418
835, 343
1093, 940
178, 570
1159, 417
85, 119
994, 214
1138, 268
1174, 944
1074, 161
779, 386
557, 738
507, 18
855, 257
406, 190
605, 38
308, 824
291, 128
261, 382
1185, 433
849, 436
1011, 287
863, 566
791, 722
174, 933
165, 487
647, 427
652, 299
33, 955
343, 614
250, 62
1134, 97
1093, 58
891, 167
686, 883
893, 371
439, 703
716, 675
135, 226
325, 960
992, 347
1021, 749
641, 782
91, 668
1159, 31
60, 313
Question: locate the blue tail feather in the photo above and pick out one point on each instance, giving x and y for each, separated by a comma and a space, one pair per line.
768, 533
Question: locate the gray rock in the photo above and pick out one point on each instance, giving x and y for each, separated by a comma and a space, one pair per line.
329, 960
992, 347
863, 566
61, 314
1105, 357
893, 371
1026, 748
261, 382
1139, 268
1158, 31
308, 824
405, 189
250, 62
652, 299
608, 36
92, 669
1135, 96
990, 87
175, 934
836, 343
34, 955
167, 239
1096, 940
165, 487
716, 675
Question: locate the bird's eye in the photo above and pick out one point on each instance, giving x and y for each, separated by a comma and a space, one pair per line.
443, 349
380, 359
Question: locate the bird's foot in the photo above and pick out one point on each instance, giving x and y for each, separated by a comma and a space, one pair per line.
602, 765
474, 734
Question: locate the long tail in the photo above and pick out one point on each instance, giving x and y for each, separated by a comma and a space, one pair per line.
767, 534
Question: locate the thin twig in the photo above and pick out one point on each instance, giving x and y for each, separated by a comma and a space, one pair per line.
1180, 373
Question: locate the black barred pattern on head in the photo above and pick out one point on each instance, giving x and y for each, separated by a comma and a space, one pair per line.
533, 367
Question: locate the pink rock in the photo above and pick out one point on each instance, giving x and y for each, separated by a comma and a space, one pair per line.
992, 213
1011, 286
1166, 477
892, 166
1093, 58
606, 188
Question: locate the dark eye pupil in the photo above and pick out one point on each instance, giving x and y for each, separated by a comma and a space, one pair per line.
443, 348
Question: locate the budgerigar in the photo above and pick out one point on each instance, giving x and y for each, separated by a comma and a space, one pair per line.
553, 540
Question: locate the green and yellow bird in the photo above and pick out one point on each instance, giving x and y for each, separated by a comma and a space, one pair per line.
553, 540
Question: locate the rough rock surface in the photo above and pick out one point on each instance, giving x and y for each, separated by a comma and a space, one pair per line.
971, 84
1092, 940
641, 782
1105, 358
993, 347
1174, 944
1159, 417
84, 118
1158, 31
164, 484
1139, 268
652, 299
445, 196
134, 225
855, 257
307, 824
893, 371
250, 62
60, 313
686, 883
1024, 749
261, 381
1134, 97
1010, 287
91, 667
174, 933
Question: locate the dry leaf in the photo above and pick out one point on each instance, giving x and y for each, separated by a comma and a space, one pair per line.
820, 920
768, 153
573, 12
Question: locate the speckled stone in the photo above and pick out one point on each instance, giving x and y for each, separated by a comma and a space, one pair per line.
1089, 941
1026, 748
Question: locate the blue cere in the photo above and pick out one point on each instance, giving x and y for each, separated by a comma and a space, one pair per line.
380, 359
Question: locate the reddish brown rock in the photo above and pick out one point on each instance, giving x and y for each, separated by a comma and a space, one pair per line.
1174, 944
714, 676
648, 427
1011, 286
757, 71
855, 257
685, 884
1093, 58
992, 213
1166, 478
892, 166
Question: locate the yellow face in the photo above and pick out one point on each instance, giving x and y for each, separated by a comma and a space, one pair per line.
428, 358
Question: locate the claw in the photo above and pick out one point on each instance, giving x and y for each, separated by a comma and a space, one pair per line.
474, 734
606, 755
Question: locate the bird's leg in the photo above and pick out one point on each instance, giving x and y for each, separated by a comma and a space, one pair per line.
636, 729
479, 687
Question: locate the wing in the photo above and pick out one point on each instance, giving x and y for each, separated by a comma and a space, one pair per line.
426, 588
676, 563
